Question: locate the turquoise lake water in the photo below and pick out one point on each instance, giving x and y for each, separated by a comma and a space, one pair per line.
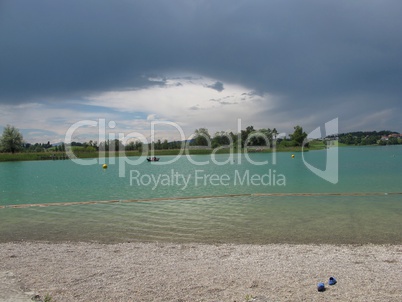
210, 200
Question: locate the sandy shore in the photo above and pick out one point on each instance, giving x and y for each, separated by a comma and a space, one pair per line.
194, 272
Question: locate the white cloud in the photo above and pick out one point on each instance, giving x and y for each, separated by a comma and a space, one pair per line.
189, 102
151, 117
44, 122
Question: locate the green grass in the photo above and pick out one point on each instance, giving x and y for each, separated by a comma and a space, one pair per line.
22, 156
80, 153
317, 145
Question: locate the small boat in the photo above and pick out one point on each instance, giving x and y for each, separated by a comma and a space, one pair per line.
153, 158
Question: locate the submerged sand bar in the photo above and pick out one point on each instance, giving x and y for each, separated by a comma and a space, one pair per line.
197, 272
53, 204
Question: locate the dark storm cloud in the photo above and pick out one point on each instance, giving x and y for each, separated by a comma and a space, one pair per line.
308, 52
218, 86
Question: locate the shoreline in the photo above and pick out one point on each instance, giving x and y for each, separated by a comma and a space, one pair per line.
58, 155
201, 272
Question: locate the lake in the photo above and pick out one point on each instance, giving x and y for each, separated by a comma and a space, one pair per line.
258, 198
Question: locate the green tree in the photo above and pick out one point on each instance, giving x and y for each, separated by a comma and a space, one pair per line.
117, 145
392, 141
130, 146
11, 140
221, 138
103, 146
165, 144
158, 145
201, 137
274, 133
138, 145
263, 138
298, 136
244, 135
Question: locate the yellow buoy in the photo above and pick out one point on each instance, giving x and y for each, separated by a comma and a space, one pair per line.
293, 156
104, 166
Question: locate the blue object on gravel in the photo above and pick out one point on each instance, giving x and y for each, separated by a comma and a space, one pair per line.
332, 281
321, 287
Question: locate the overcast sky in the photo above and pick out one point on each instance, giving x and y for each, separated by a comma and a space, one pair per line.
199, 64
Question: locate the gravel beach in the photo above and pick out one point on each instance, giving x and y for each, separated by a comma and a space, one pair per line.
196, 272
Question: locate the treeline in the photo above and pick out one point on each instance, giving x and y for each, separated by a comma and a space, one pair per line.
42, 147
93, 146
362, 138
12, 141
117, 145
248, 137
201, 138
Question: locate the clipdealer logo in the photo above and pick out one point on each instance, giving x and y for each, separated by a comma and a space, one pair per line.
202, 178
331, 171
271, 177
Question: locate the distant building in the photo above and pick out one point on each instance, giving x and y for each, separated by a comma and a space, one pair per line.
387, 137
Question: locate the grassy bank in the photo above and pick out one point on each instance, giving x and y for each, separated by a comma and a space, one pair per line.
79, 153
